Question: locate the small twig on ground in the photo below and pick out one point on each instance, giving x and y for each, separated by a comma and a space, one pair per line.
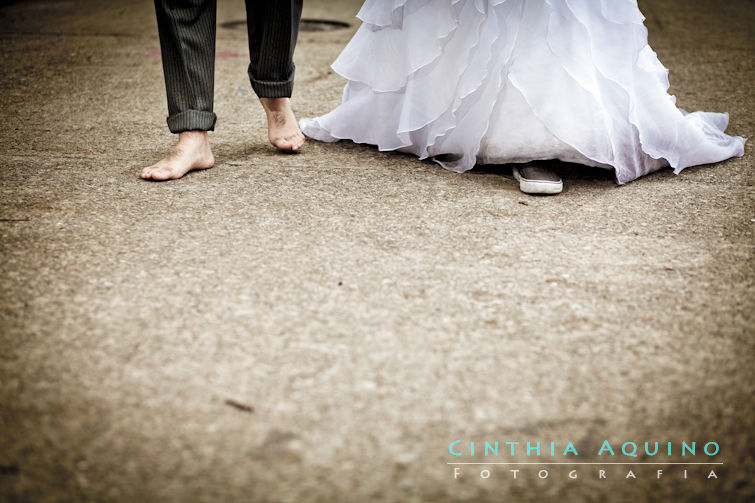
240, 406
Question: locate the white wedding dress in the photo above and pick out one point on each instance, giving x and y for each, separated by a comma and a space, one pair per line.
511, 81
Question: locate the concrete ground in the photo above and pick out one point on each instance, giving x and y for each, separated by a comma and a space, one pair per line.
321, 327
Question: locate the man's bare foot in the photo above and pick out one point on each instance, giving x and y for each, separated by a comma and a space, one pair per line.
192, 152
283, 129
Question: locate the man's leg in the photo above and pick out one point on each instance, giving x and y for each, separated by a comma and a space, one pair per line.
273, 27
187, 42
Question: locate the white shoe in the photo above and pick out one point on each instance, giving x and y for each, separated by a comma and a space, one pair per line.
537, 179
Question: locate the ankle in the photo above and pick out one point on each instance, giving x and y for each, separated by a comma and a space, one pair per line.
193, 139
276, 104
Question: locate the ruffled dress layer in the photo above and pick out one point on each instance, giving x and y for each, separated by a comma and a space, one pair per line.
510, 81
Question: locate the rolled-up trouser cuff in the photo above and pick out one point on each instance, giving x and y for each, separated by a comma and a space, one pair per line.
192, 120
273, 89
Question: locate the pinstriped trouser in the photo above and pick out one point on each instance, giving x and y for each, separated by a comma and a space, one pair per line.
187, 42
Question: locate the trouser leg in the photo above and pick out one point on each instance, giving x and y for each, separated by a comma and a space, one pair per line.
273, 27
187, 42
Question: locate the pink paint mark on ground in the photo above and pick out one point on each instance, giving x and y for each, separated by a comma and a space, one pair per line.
230, 54
219, 54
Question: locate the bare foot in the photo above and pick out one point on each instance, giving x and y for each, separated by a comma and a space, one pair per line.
192, 152
283, 129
